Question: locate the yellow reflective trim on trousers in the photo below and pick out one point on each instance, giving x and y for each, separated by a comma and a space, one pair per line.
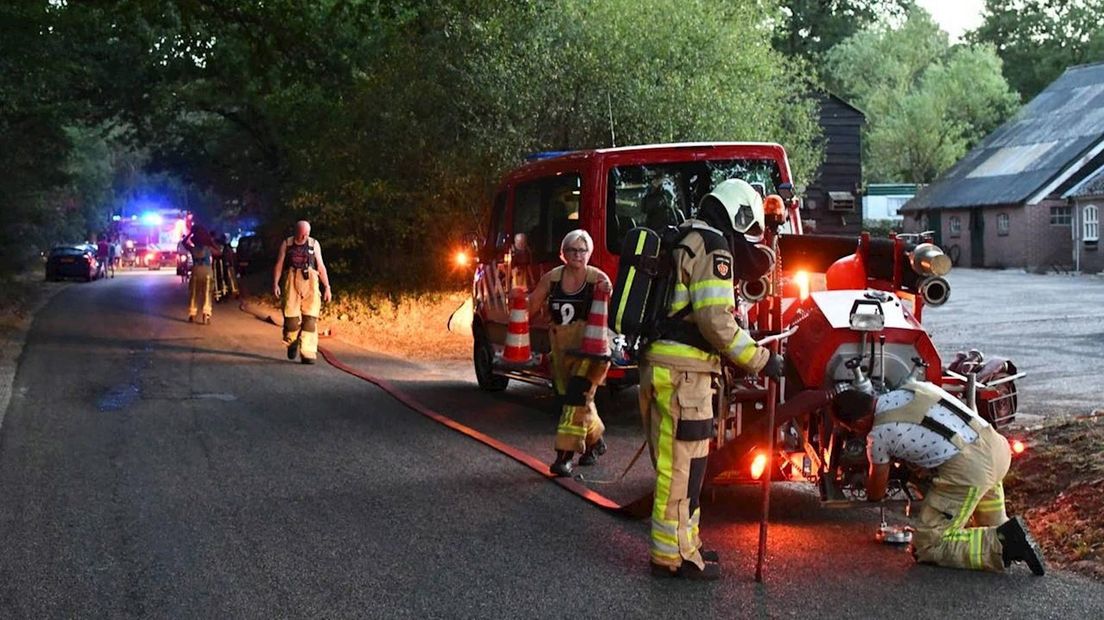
963, 515
665, 451
677, 349
628, 284
975, 548
663, 537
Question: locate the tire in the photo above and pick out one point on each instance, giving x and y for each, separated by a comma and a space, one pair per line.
482, 360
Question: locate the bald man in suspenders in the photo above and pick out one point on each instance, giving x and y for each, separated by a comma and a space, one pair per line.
295, 280
962, 522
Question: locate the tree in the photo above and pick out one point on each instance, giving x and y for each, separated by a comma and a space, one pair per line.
1038, 39
809, 28
926, 102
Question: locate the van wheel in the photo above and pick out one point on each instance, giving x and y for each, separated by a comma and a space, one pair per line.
483, 360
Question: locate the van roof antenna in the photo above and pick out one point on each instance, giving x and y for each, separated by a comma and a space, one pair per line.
609, 105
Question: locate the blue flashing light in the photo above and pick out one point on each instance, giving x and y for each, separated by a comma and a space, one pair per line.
151, 219
546, 155
116, 218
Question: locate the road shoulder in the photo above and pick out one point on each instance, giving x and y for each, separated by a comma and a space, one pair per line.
15, 324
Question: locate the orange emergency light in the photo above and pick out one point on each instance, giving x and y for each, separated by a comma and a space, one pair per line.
758, 466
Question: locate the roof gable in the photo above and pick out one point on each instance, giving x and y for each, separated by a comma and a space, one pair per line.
1033, 152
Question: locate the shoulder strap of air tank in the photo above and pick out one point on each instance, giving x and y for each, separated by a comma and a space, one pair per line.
556, 274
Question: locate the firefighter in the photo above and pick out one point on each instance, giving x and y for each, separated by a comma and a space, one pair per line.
301, 298
676, 394
962, 521
569, 291
201, 286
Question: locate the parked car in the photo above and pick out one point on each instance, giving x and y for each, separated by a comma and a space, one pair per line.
68, 261
252, 256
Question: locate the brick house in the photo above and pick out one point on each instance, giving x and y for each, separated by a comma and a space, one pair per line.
1022, 196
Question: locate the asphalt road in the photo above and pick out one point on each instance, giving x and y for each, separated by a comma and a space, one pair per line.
154, 468
1050, 326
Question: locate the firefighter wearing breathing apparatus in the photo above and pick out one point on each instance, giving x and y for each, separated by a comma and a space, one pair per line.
676, 371
569, 291
962, 521
297, 286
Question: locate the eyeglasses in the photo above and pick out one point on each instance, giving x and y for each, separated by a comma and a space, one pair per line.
578, 251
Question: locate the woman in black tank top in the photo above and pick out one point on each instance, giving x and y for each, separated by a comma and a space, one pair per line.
566, 294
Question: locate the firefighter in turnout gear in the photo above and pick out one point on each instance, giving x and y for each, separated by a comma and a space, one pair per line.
962, 522
676, 393
299, 271
566, 293
203, 251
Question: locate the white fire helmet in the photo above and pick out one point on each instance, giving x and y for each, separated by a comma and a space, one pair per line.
743, 204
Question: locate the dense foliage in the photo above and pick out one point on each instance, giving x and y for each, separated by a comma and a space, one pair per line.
926, 102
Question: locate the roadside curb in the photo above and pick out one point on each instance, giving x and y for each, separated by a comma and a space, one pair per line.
13, 343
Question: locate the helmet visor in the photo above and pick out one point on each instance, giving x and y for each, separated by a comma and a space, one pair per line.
744, 218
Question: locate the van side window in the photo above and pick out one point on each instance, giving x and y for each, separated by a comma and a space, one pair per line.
544, 211
498, 236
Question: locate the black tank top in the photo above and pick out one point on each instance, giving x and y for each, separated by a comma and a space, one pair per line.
570, 307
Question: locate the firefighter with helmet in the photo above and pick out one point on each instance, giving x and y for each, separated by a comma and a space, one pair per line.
676, 394
962, 521
297, 286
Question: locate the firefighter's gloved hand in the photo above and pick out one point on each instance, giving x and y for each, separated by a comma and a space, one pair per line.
775, 367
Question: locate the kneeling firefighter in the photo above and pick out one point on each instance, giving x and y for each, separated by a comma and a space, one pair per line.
300, 295
962, 521
676, 393
569, 292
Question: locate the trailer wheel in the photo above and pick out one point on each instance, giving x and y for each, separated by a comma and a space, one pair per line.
483, 360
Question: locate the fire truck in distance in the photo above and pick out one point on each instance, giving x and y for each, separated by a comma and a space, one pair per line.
150, 239
844, 309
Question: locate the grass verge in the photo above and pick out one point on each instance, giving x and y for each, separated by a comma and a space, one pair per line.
1056, 485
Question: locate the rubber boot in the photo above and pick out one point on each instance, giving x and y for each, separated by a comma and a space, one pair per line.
293, 349
1018, 545
592, 453
562, 467
689, 570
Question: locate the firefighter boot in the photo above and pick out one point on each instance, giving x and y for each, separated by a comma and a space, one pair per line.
293, 349
562, 467
1018, 545
689, 570
592, 453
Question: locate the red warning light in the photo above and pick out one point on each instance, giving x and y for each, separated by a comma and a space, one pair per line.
1018, 447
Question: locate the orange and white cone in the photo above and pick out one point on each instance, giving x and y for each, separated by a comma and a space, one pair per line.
595, 341
518, 350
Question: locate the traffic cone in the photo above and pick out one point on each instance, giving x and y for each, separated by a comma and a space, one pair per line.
517, 332
595, 342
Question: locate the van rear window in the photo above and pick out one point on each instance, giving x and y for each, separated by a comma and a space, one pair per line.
661, 195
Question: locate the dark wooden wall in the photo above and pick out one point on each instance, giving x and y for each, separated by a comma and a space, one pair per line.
841, 170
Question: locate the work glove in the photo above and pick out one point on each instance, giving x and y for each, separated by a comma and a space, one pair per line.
775, 366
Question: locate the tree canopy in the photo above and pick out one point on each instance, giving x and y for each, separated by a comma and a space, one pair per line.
927, 102
1038, 39
389, 123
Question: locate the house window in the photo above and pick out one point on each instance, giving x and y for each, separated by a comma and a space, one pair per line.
1002, 224
956, 226
1091, 224
894, 204
1061, 216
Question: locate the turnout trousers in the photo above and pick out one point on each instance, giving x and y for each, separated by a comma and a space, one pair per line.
200, 289
576, 379
677, 411
302, 302
959, 516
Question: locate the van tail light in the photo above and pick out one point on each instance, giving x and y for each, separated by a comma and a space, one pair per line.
1018, 447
